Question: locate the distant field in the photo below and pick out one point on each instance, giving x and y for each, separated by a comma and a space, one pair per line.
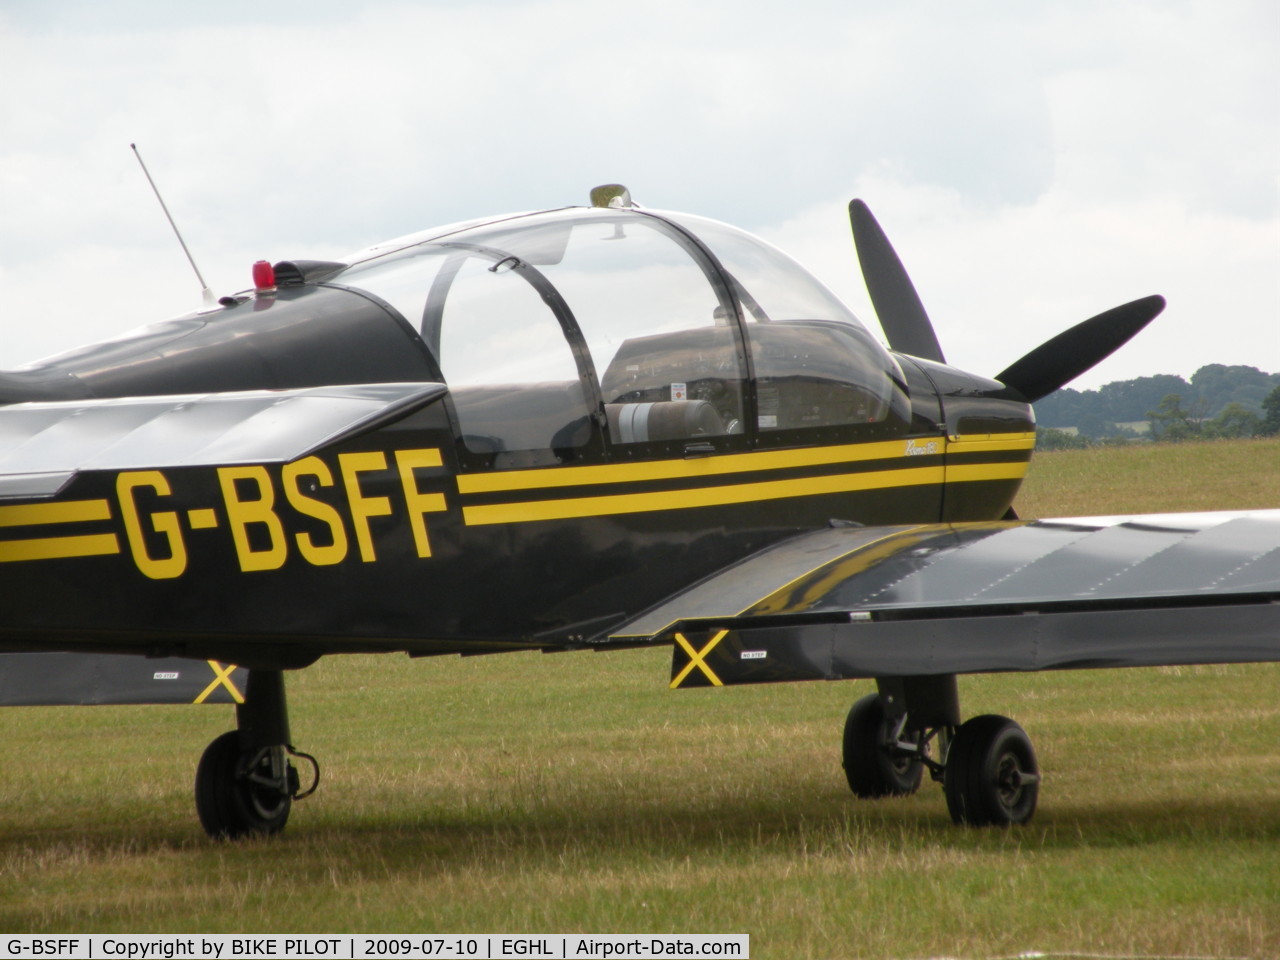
574, 793
1217, 475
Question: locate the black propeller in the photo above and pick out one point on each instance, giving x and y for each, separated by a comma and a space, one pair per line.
1072, 352
1046, 368
897, 304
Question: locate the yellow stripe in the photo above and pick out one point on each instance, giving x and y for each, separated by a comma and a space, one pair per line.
59, 548
702, 497
970, 472
70, 511
511, 480
986, 442
499, 481
820, 579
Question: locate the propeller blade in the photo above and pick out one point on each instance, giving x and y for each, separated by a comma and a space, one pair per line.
1059, 361
902, 315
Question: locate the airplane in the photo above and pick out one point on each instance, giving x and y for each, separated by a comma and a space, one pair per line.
593, 427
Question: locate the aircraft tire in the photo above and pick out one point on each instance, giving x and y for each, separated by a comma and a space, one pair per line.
229, 804
991, 776
868, 767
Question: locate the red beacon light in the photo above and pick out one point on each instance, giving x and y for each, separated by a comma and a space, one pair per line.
264, 277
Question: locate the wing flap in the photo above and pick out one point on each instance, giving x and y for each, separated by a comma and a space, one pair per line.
58, 679
719, 653
45, 444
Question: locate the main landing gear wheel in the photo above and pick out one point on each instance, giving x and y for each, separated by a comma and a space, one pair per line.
242, 792
237, 793
991, 776
872, 765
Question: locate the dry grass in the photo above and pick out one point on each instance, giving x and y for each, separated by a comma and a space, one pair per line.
573, 792
1145, 478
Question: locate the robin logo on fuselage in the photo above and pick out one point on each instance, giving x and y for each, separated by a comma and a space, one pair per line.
252, 505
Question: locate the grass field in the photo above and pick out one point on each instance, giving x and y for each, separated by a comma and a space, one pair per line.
574, 793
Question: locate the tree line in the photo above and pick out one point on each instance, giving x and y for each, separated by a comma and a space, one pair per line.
1218, 401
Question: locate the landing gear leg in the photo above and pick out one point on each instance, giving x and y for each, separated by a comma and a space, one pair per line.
245, 782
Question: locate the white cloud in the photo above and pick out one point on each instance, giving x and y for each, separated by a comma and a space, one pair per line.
1035, 164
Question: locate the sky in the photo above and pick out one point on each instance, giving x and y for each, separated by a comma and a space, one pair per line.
1033, 163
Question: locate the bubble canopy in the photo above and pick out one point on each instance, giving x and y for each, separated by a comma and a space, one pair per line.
604, 309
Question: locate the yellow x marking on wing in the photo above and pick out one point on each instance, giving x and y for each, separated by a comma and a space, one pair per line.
696, 659
221, 678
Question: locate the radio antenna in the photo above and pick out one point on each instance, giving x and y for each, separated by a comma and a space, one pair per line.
205, 292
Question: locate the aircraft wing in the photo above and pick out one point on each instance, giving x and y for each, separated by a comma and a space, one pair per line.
44, 445
1074, 593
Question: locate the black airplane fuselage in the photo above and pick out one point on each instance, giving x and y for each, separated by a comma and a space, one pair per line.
584, 427
515, 510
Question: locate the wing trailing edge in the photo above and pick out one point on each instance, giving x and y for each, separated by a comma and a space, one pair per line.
61, 679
